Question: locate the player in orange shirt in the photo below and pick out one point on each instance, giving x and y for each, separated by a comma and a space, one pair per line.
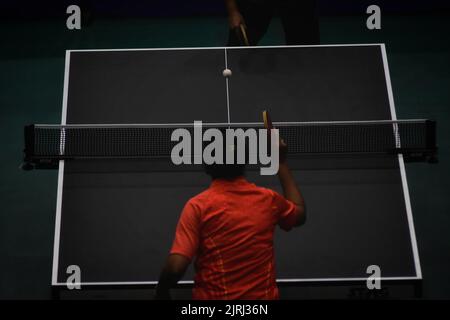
229, 229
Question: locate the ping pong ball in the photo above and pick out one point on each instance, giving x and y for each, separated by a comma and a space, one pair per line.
227, 73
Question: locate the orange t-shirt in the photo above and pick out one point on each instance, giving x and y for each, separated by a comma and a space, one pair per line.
229, 229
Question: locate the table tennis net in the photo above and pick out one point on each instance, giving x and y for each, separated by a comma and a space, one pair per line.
49, 143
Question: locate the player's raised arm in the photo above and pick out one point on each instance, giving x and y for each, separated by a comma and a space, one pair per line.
290, 189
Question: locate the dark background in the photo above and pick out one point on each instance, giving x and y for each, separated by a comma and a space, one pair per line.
183, 8
33, 38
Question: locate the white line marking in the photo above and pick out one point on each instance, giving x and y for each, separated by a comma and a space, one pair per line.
231, 48
402, 169
278, 281
227, 88
59, 192
210, 124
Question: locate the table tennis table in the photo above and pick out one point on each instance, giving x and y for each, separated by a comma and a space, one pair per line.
115, 219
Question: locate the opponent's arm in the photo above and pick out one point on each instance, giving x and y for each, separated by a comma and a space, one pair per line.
235, 18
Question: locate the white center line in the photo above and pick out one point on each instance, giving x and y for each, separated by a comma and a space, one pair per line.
227, 87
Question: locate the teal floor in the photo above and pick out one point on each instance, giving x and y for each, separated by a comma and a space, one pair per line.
31, 85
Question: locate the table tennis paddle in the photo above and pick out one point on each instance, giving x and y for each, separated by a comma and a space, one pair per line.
267, 120
241, 33
269, 126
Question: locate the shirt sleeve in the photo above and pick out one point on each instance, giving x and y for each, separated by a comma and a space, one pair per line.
287, 211
187, 233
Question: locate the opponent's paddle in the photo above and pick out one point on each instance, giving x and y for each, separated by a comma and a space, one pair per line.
241, 33
244, 34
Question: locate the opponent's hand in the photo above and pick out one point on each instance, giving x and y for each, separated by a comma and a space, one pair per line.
235, 19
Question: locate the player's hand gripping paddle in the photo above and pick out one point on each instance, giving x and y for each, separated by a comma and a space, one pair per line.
269, 126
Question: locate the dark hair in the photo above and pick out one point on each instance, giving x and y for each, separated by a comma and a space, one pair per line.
224, 171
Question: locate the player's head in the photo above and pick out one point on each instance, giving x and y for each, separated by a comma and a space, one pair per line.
226, 171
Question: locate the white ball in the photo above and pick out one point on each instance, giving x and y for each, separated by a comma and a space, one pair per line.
227, 73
